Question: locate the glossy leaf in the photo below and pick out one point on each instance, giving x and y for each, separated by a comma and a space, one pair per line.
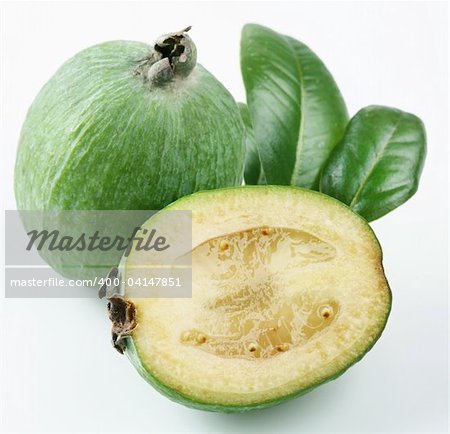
377, 165
253, 173
297, 110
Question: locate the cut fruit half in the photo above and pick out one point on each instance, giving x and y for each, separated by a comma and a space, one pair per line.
288, 291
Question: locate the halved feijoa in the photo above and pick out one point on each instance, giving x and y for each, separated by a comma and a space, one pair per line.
288, 292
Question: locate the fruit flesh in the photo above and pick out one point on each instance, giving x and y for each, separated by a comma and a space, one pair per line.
250, 319
281, 301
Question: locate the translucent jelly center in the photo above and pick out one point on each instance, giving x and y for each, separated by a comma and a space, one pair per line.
255, 305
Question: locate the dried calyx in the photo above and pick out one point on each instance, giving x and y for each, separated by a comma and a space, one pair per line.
174, 55
122, 314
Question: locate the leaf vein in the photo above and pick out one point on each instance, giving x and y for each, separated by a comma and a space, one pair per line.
376, 160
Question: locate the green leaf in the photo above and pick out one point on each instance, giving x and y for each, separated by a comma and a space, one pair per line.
377, 165
297, 111
253, 173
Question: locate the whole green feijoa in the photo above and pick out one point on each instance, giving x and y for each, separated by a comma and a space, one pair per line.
126, 125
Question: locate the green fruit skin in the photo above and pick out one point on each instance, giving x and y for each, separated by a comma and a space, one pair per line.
99, 137
176, 396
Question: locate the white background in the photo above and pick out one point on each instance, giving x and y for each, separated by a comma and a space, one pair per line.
59, 372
